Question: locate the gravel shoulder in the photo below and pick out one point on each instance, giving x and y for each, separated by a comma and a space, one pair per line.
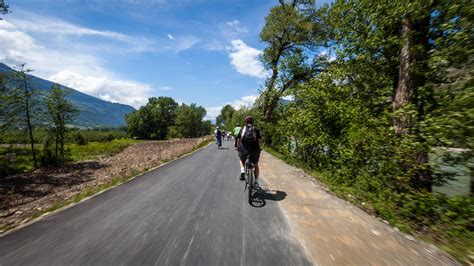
333, 231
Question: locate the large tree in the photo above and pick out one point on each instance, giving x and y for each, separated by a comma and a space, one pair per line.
189, 121
153, 120
225, 117
24, 105
289, 32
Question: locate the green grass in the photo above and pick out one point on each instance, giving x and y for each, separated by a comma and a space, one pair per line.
90, 151
96, 150
24, 159
17, 136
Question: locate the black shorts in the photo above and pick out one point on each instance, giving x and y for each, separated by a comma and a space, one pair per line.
254, 157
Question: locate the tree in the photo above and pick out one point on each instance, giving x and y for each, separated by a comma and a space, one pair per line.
152, 120
4, 8
60, 112
225, 117
24, 99
189, 122
288, 31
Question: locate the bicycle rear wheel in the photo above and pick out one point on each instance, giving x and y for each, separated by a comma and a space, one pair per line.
250, 186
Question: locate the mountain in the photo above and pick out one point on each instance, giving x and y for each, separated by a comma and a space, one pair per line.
93, 112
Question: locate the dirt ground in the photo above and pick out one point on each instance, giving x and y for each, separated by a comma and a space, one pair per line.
333, 231
24, 195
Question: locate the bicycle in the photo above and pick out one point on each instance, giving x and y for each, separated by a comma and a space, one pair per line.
249, 178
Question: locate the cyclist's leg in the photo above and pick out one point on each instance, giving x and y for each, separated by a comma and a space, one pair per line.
255, 158
256, 170
242, 168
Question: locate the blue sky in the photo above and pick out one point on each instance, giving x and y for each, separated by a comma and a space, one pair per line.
196, 51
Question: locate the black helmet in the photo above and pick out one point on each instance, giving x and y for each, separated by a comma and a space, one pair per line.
249, 119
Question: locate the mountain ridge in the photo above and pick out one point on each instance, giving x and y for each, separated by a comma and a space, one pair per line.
93, 112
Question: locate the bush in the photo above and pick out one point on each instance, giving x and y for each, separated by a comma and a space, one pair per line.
80, 139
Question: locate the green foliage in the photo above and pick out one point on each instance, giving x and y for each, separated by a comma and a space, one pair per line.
162, 118
225, 117
341, 123
60, 112
96, 150
80, 139
152, 120
189, 122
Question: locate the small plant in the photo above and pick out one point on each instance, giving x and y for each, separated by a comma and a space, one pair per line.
80, 139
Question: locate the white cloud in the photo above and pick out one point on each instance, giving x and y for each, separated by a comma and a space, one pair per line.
74, 68
165, 88
41, 24
214, 45
184, 43
245, 59
170, 37
212, 112
58, 29
106, 88
245, 101
236, 25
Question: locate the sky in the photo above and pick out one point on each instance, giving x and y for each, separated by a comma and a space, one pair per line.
196, 51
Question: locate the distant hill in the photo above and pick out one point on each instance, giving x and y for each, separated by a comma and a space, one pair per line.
93, 112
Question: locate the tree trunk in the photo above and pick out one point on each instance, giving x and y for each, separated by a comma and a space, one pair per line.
404, 89
411, 77
28, 120
269, 93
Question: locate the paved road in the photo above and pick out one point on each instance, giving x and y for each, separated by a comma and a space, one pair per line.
192, 211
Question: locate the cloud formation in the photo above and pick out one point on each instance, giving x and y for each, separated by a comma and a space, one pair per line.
71, 67
245, 101
245, 59
165, 88
105, 88
236, 25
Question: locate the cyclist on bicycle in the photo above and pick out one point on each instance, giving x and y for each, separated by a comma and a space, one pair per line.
249, 141
235, 133
218, 135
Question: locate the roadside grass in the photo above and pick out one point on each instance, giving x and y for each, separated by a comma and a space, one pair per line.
89, 151
97, 150
115, 181
18, 136
23, 161
449, 239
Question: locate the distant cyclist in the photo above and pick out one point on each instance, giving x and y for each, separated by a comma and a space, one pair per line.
218, 135
236, 132
249, 143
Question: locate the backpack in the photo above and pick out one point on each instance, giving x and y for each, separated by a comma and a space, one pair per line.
249, 136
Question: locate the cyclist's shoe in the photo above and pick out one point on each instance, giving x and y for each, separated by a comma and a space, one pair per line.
242, 176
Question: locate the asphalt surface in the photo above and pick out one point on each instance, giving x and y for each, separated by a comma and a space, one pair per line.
192, 211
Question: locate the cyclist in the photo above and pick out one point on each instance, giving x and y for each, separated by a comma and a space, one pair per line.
218, 134
249, 143
236, 132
